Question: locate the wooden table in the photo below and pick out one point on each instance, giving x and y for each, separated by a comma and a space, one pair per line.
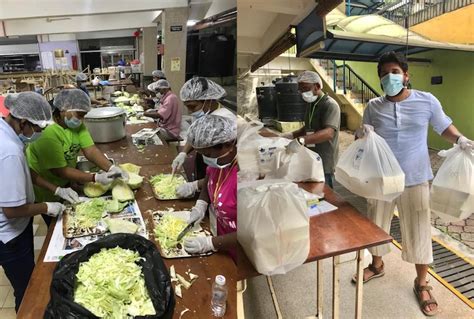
332, 234
197, 298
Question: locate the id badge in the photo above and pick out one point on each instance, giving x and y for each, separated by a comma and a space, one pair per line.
213, 220
309, 133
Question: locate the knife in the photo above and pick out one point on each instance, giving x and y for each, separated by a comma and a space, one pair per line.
185, 231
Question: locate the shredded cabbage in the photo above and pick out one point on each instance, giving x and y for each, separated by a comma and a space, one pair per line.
88, 214
165, 186
167, 230
111, 285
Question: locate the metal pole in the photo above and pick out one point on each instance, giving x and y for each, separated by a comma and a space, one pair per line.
344, 76
319, 290
360, 278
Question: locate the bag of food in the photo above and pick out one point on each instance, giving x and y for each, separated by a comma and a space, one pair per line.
155, 273
303, 166
273, 226
369, 169
452, 191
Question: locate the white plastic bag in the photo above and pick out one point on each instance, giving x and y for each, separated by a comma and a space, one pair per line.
273, 225
452, 191
247, 146
304, 166
369, 169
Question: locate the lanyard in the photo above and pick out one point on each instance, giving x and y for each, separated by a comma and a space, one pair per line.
313, 108
220, 183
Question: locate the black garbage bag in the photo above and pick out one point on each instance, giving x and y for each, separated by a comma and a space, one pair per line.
157, 279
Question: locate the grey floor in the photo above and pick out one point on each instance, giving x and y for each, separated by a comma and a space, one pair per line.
390, 296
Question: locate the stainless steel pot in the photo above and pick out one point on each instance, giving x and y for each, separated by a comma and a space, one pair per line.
106, 124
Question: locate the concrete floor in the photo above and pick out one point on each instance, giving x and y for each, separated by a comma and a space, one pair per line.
390, 296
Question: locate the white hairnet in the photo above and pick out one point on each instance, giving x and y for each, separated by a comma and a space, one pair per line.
72, 100
29, 106
201, 89
162, 84
81, 77
310, 77
158, 74
211, 130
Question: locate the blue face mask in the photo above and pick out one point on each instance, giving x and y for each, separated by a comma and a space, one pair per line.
212, 161
392, 84
72, 123
31, 139
198, 114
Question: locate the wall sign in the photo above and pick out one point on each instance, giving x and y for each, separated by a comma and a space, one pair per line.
176, 28
175, 64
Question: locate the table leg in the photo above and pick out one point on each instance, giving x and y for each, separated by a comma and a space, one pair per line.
335, 287
274, 297
360, 274
319, 290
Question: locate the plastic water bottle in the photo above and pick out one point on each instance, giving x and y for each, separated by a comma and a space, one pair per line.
219, 296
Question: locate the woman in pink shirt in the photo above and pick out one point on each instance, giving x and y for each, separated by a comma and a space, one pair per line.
215, 138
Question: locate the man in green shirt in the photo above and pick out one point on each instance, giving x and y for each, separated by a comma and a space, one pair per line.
322, 124
54, 155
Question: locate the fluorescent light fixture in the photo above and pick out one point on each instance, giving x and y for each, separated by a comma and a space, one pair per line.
190, 23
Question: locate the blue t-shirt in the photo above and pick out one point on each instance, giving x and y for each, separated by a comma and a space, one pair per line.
404, 126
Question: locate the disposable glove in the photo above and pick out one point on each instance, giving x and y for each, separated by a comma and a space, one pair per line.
178, 161
362, 131
188, 189
199, 245
198, 212
104, 178
67, 194
464, 143
115, 170
54, 209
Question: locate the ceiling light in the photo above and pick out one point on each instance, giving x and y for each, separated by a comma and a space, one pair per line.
191, 23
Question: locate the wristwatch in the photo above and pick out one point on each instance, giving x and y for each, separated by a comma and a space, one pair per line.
301, 140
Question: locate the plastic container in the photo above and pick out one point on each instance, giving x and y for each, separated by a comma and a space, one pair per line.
219, 296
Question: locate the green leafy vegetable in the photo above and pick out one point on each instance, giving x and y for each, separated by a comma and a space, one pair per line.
122, 192
88, 214
130, 168
165, 186
95, 189
121, 226
167, 230
111, 285
114, 206
134, 180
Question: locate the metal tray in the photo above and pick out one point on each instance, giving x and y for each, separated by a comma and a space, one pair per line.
69, 232
157, 196
179, 252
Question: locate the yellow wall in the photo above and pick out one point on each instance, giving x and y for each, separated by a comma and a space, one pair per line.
456, 26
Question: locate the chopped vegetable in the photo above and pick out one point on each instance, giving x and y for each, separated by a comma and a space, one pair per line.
134, 180
168, 229
111, 285
121, 226
88, 214
95, 189
186, 284
130, 168
183, 312
122, 191
177, 291
122, 99
172, 272
118, 93
114, 206
165, 186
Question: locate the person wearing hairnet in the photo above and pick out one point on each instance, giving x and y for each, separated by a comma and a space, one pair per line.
200, 96
29, 115
150, 95
81, 79
54, 155
169, 113
158, 75
215, 138
322, 123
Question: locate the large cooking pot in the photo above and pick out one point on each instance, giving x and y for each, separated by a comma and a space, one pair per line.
106, 124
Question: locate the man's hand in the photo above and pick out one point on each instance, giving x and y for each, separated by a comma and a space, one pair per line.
67, 194
54, 209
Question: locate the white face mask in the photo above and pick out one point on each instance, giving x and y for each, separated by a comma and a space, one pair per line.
309, 97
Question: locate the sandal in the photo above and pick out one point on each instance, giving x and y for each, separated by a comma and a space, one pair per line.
377, 272
417, 289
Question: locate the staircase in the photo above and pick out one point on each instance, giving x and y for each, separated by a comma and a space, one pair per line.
347, 88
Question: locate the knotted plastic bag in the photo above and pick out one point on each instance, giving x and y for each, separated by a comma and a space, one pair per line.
369, 168
452, 191
273, 226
